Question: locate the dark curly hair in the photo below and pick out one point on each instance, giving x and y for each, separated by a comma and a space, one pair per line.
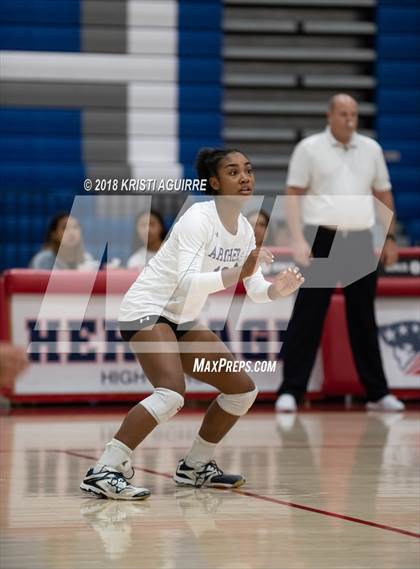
207, 164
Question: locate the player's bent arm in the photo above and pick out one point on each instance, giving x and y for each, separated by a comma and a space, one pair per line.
193, 233
257, 287
209, 283
284, 284
191, 279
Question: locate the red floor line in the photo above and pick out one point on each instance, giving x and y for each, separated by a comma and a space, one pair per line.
277, 501
327, 513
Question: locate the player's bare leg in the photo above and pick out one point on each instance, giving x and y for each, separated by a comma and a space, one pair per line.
109, 478
238, 392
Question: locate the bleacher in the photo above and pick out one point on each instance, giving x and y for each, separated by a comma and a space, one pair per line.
101, 89
95, 90
283, 60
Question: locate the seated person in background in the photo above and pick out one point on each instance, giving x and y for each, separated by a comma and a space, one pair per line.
63, 246
282, 236
149, 235
13, 360
259, 221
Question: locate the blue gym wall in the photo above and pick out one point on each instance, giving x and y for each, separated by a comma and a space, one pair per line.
398, 104
129, 87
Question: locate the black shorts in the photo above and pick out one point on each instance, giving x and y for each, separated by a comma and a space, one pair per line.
128, 329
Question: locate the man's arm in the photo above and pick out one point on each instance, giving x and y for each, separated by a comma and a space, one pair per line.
389, 254
387, 199
300, 247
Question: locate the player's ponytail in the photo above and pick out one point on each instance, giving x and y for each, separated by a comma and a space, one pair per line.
207, 164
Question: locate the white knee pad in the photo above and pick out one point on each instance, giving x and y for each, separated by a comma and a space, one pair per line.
237, 403
163, 404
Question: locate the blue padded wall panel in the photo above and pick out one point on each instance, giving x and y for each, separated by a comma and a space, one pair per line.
200, 15
190, 146
405, 100
8, 257
46, 149
9, 201
398, 19
196, 97
413, 230
405, 179
41, 176
407, 208
199, 97
204, 124
401, 3
41, 12
200, 40
43, 38
398, 126
409, 151
199, 43
40, 121
9, 229
398, 74
40, 150
399, 46
200, 70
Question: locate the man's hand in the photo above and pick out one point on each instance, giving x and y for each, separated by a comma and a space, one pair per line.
286, 283
389, 254
13, 360
301, 252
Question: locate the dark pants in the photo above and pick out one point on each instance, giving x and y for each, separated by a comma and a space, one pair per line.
305, 326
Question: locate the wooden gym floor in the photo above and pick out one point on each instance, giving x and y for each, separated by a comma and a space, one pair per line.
326, 490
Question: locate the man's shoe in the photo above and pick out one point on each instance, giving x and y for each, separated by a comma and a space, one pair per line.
389, 404
286, 403
106, 482
209, 476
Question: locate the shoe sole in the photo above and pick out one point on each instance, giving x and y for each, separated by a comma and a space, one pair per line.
102, 495
181, 482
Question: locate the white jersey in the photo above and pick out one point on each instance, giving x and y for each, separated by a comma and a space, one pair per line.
176, 282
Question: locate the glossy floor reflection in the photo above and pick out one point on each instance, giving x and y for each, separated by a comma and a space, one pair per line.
325, 491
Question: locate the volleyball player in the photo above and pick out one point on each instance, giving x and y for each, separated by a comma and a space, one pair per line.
210, 248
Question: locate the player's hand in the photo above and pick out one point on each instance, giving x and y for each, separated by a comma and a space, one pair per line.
301, 252
13, 360
286, 283
389, 253
256, 258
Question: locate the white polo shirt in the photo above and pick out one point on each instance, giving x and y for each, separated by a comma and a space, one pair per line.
339, 179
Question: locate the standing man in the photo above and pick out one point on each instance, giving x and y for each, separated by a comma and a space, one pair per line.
325, 167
